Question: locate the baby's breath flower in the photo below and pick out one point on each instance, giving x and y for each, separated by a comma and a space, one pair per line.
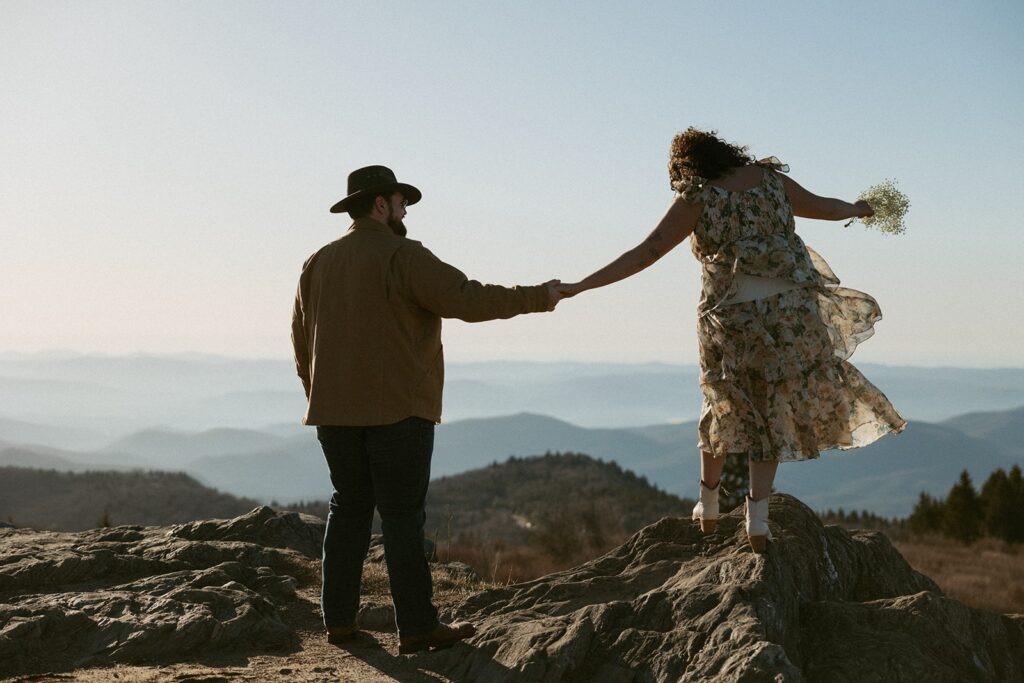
890, 206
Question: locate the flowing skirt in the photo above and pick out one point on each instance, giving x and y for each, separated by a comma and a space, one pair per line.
775, 378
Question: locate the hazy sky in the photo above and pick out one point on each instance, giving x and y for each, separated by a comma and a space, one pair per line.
167, 167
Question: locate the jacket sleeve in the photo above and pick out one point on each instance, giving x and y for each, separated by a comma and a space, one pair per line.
299, 342
445, 291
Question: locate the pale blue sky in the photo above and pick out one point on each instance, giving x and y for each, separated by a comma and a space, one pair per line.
168, 166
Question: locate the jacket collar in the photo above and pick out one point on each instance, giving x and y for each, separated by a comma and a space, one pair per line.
366, 223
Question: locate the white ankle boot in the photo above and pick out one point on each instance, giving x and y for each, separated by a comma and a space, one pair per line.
757, 523
706, 509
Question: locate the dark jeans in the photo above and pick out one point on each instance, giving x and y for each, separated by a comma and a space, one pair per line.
387, 467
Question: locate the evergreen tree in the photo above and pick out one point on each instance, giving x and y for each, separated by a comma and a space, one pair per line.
963, 515
1016, 485
927, 515
997, 502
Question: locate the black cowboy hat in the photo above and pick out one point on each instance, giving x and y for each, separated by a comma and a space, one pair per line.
375, 180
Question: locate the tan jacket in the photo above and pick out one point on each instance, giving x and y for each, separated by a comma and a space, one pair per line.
367, 325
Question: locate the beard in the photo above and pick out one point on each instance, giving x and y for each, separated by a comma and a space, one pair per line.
396, 224
397, 227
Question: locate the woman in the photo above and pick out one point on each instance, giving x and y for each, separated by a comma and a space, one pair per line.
774, 327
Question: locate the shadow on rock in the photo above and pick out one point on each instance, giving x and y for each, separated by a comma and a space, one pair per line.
421, 667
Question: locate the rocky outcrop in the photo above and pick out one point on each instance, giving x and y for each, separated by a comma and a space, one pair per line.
138, 594
822, 604
263, 526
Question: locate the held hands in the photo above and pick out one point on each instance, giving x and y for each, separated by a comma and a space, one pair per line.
553, 295
557, 290
569, 289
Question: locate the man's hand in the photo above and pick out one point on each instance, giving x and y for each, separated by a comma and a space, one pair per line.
554, 296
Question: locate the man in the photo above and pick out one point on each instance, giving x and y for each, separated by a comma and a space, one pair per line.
367, 335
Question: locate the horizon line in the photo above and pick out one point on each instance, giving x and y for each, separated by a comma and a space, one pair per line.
67, 354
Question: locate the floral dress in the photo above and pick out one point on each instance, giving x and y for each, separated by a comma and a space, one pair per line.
774, 371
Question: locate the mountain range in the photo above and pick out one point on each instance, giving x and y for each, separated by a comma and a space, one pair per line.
233, 424
91, 400
884, 478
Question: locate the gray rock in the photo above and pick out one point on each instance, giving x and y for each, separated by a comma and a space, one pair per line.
160, 617
265, 526
376, 551
670, 604
377, 617
462, 572
41, 560
149, 594
918, 637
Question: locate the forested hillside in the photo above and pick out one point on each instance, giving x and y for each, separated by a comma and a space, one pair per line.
523, 499
529, 516
67, 501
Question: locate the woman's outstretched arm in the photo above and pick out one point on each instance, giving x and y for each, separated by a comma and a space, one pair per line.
809, 205
677, 224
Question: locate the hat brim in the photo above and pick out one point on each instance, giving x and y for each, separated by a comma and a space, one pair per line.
411, 194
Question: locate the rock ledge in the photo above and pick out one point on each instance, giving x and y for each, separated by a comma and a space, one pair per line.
671, 604
150, 594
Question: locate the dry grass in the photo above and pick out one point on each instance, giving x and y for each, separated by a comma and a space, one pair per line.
449, 587
375, 580
501, 563
988, 574
504, 563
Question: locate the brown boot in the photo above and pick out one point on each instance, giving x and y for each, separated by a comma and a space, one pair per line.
341, 634
444, 635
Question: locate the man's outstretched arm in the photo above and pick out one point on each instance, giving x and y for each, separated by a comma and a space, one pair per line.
447, 292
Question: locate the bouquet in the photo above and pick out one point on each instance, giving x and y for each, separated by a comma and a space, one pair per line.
890, 207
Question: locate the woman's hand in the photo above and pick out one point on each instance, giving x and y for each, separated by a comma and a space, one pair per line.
569, 289
862, 209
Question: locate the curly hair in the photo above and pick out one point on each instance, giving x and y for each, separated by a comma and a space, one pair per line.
702, 153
